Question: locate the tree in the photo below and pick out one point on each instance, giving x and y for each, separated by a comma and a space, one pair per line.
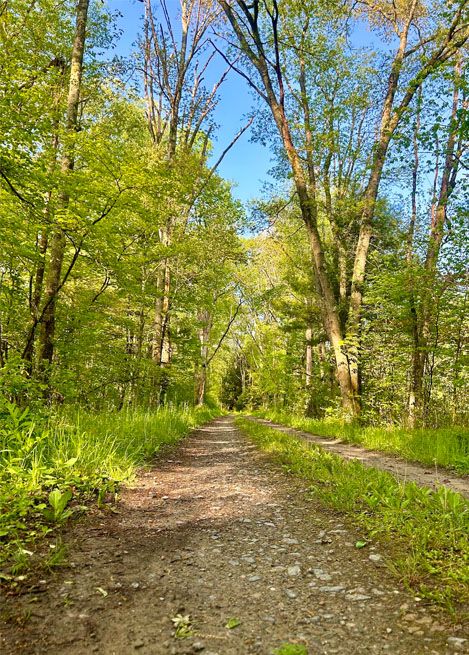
264, 40
58, 239
176, 57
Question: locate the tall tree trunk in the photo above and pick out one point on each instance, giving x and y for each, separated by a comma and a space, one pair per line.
416, 381
309, 357
36, 295
161, 351
43, 235
58, 240
423, 323
391, 115
161, 347
389, 122
274, 95
247, 20
201, 372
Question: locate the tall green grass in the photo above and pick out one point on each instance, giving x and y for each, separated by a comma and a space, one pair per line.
447, 447
80, 457
423, 532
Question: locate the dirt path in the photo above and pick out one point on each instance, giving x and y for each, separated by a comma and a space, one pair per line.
217, 532
400, 468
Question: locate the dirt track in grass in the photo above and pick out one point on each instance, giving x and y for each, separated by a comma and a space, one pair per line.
218, 532
400, 468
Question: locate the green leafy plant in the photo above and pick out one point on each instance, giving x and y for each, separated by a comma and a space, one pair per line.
58, 502
447, 447
57, 555
183, 628
232, 623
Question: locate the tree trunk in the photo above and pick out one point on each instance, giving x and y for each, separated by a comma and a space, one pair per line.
36, 296
161, 347
43, 236
389, 121
422, 328
309, 356
58, 241
47, 332
416, 381
205, 319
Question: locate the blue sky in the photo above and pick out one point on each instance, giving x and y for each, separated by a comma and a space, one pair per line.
247, 164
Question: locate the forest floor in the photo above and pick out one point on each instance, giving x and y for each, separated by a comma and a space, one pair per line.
400, 468
219, 533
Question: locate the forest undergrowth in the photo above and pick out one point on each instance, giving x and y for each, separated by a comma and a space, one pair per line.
422, 533
447, 446
57, 467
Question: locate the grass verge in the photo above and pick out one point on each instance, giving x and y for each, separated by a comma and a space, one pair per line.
424, 532
52, 471
447, 447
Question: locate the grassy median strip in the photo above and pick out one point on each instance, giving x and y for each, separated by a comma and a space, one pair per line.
424, 532
53, 469
447, 447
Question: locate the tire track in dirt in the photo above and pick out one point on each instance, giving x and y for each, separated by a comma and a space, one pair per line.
401, 469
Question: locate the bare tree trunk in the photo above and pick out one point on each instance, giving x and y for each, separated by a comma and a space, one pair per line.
58, 241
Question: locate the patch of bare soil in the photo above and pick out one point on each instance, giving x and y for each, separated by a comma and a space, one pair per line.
218, 532
400, 468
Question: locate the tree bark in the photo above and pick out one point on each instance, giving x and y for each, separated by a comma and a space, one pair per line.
309, 357
58, 240
423, 327
416, 380
201, 373
305, 191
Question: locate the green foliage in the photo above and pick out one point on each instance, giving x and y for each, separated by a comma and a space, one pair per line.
58, 501
50, 471
183, 627
448, 447
424, 532
232, 623
291, 649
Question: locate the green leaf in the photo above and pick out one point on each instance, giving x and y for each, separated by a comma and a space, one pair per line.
232, 623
